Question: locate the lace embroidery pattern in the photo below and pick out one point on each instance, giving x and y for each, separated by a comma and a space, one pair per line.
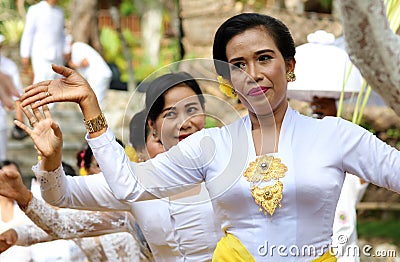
67, 223
47, 179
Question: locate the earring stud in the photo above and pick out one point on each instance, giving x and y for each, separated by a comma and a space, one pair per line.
290, 76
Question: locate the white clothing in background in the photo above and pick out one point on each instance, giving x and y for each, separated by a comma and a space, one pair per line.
345, 223
8, 67
15, 253
43, 39
97, 73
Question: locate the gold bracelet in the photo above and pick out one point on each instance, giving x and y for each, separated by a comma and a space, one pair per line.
24, 207
95, 124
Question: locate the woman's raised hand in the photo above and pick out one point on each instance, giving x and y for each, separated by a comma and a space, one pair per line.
46, 135
71, 88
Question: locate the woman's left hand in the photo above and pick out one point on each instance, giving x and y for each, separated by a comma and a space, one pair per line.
46, 135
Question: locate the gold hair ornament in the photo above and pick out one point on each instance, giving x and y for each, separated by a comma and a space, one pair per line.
225, 88
131, 153
266, 168
82, 171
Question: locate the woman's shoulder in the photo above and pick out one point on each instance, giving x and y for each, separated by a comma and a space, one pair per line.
328, 124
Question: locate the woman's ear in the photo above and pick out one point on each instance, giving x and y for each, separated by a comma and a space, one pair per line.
290, 65
151, 124
152, 128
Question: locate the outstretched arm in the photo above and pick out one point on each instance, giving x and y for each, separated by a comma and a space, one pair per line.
23, 235
62, 223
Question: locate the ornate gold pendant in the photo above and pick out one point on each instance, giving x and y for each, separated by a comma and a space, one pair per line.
268, 197
265, 168
261, 170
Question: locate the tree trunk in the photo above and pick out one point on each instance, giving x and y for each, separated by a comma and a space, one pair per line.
84, 25
151, 25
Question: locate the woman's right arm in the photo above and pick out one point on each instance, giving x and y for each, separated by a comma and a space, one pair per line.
118, 171
80, 192
67, 223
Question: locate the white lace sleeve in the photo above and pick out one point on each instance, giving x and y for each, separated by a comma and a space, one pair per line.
31, 234
67, 223
71, 224
51, 183
373, 47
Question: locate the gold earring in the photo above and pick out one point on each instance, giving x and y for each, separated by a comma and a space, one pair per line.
154, 133
290, 76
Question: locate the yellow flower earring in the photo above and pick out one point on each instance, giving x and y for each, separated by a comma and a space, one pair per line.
290, 76
225, 88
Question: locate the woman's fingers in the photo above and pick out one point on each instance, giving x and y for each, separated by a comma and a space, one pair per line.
62, 70
23, 127
36, 88
36, 95
46, 112
37, 113
56, 129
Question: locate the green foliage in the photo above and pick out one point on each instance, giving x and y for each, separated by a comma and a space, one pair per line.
127, 8
367, 126
389, 228
326, 4
111, 44
113, 53
7, 10
393, 133
211, 122
12, 30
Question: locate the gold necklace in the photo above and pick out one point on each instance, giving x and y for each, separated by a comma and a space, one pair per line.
261, 170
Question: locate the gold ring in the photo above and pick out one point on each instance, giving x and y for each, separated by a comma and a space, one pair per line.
32, 122
47, 93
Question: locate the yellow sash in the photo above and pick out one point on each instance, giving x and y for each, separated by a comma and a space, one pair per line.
327, 257
230, 249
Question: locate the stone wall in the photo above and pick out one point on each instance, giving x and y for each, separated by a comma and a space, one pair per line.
200, 20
